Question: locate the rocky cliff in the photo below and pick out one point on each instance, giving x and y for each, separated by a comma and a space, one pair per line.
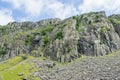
91, 34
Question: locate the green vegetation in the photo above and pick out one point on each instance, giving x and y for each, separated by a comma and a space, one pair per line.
69, 50
2, 30
3, 50
59, 35
49, 28
28, 40
46, 40
11, 62
64, 25
17, 69
101, 42
80, 30
43, 32
74, 17
102, 30
78, 24
97, 18
115, 22
107, 28
46, 30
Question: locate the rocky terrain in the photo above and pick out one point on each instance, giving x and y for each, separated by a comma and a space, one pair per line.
57, 41
86, 68
91, 34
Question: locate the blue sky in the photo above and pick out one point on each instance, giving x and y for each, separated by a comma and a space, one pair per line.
35, 10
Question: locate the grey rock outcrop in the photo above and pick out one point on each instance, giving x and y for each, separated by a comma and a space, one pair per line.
95, 36
91, 34
65, 49
100, 38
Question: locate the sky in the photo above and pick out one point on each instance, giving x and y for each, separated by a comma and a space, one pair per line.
35, 10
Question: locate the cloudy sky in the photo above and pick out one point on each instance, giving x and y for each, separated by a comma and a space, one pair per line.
34, 10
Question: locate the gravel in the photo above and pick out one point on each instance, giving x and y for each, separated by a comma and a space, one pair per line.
89, 68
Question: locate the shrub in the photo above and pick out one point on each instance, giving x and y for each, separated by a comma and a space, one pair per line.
107, 28
43, 32
3, 51
2, 29
49, 28
64, 25
46, 40
46, 30
115, 22
59, 35
74, 17
36, 33
98, 16
77, 25
102, 30
28, 40
69, 50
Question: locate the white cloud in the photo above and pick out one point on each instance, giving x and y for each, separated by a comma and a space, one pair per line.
34, 8
31, 7
5, 16
110, 6
61, 10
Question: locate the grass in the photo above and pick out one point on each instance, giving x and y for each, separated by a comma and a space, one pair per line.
11, 62
10, 69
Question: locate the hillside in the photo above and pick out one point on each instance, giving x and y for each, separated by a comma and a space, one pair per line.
44, 45
84, 68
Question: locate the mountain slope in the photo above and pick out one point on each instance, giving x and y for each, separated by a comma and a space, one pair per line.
91, 34
55, 49
85, 68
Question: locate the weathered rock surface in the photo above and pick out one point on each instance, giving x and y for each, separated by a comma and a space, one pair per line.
99, 37
89, 68
91, 34
65, 49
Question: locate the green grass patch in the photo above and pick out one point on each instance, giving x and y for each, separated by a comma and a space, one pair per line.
12, 68
11, 62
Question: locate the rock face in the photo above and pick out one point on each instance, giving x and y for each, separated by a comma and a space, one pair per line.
64, 49
91, 34
99, 38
